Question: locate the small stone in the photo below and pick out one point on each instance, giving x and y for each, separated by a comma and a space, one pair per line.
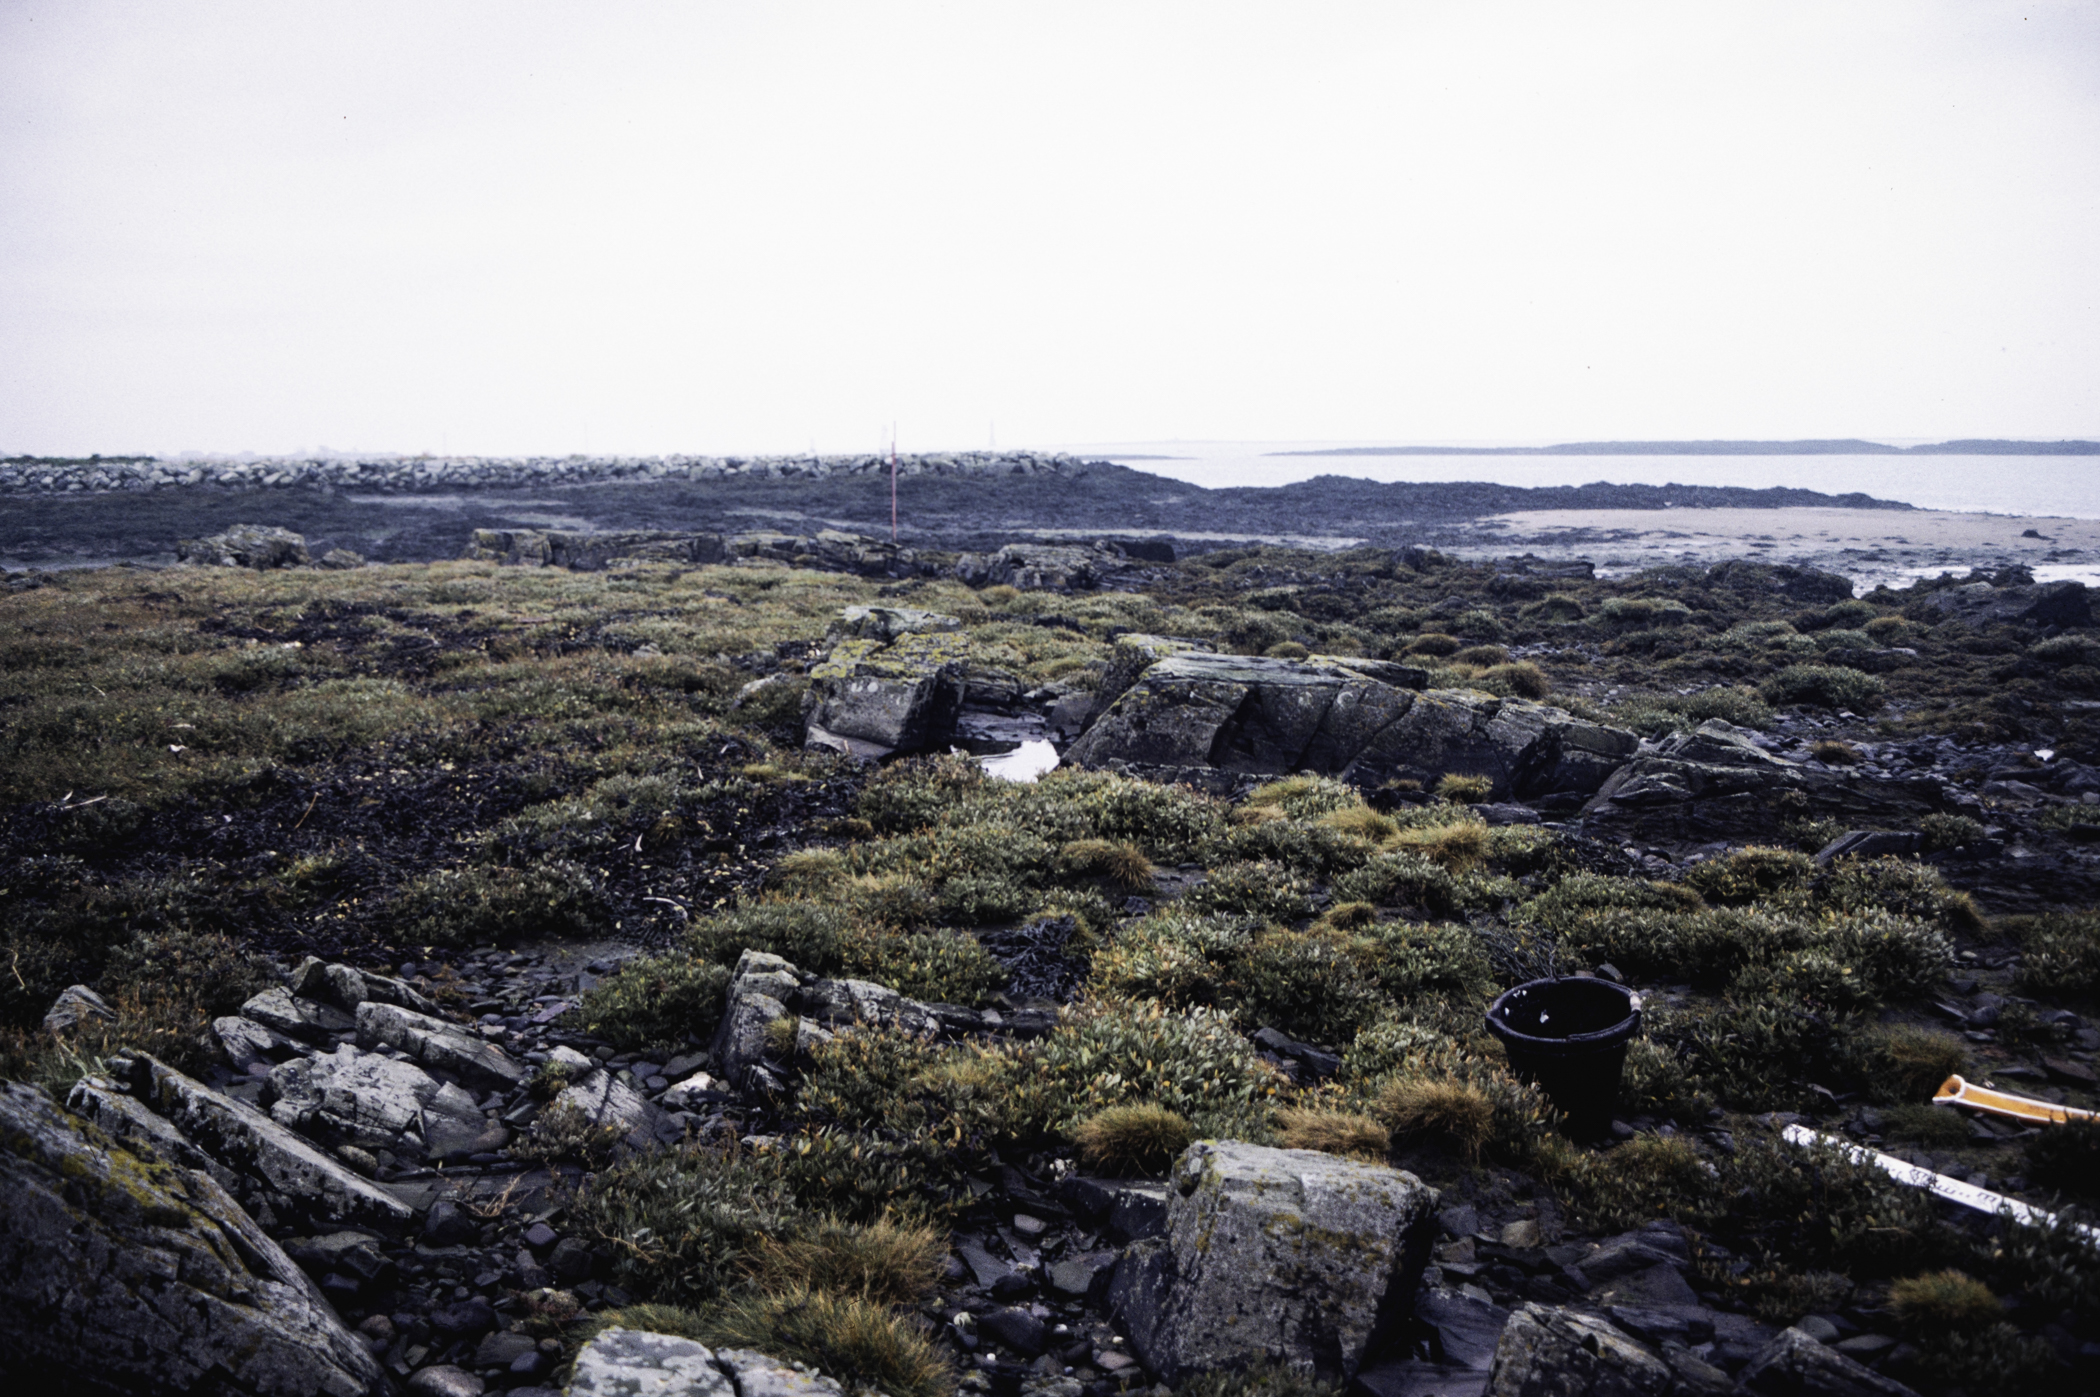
539, 1236
1029, 1226
1013, 1329
1522, 1233
571, 1261
444, 1380
448, 1225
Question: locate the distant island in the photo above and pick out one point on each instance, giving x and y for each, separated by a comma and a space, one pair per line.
1848, 447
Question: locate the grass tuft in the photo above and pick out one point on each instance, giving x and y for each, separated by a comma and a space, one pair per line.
1141, 1139
1333, 1132
1457, 1113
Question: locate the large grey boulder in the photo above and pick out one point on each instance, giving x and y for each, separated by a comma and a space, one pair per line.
2035, 604
869, 699
1044, 567
864, 1002
1550, 1352
1362, 720
592, 552
621, 1362
1285, 1255
887, 623
438, 1046
244, 1041
125, 1271
354, 1098
827, 550
283, 1178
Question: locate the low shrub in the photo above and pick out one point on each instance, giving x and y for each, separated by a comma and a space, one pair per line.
1109, 1054
1833, 752
1825, 686
656, 1002
1907, 1062
1481, 656
683, 1223
1938, 1301
1303, 797
1261, 889
2060, 952
1433, 643
1749, 874
1407, 961
481, 904
1647, 1177
1521, 679
1562, 904
1899, 886
1402, 878
1937, 1126
1137, 1139
911, 794
2066, 1157
1949, 832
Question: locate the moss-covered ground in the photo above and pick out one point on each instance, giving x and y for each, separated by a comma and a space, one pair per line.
207, 771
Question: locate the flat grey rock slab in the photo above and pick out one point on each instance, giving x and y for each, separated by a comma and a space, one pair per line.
437, 1046
307, 1020
302, 1187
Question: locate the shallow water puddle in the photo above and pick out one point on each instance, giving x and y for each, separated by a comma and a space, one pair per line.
1024, 763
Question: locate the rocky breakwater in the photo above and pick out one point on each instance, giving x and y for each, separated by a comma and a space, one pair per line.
1189, 714
421, 474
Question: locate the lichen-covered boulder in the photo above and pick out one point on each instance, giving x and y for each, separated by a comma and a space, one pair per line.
759, 989
308, 1020
124, 1271
1363, 720
1274, 1254
621, 1362
589, 551
346, 987
869, 699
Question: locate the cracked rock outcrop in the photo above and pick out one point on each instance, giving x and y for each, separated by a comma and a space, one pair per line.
125, 1271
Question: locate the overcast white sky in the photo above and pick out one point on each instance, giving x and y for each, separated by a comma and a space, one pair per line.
516, 227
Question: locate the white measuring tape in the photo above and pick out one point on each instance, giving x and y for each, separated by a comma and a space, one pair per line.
1917, 1176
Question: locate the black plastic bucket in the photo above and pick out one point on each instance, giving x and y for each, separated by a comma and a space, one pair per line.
1569, 1035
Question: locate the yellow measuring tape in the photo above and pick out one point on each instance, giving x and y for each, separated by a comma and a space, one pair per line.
1956, 1092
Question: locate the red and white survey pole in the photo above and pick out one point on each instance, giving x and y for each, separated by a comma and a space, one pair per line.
893, 484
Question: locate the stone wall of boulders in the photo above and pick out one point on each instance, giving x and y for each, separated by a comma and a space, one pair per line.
25, 475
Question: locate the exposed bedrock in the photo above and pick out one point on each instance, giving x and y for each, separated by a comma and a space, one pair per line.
1366, 721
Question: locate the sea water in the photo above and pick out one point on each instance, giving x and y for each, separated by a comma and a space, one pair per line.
2047, 486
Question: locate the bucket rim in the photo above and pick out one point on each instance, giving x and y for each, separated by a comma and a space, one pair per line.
1621, 1031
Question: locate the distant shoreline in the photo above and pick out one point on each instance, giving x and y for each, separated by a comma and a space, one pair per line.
1848, 447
